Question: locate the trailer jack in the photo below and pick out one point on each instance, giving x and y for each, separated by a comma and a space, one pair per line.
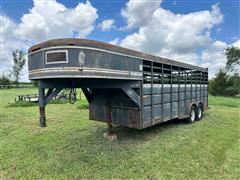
110, 134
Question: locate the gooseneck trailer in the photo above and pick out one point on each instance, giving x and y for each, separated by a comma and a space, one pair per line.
122, 86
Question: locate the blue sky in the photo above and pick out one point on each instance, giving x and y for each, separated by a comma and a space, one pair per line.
212, 26
229, 29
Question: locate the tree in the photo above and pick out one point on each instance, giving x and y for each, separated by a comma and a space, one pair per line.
233, 85
224, 84
218, 85
35, 83
227, 80
19, 61
4, 80
233, 60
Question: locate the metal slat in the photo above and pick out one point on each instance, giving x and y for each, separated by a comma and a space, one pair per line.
185, 75
152, 119
178, 91
162, 91
191, 87
196, 85
200, 86
171, 94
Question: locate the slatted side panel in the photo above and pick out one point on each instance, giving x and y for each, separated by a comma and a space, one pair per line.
169, 91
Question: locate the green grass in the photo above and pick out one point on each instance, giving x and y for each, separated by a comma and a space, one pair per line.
72, 147
224, 101
29, 104
83, 104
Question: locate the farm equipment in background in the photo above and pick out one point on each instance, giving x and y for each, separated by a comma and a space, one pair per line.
65, 95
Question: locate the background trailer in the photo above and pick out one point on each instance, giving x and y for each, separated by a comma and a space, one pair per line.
122, 86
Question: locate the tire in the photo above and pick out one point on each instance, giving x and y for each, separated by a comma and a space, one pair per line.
199, 114
192, 115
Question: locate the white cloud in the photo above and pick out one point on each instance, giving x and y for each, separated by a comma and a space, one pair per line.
9, 42
236, 44
164, 33
114, 41
214, 57
137, 13
82, 18
107, 24
50, 19
45, 20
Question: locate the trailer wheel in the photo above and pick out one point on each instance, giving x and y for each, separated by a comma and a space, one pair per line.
192, 115
199, 112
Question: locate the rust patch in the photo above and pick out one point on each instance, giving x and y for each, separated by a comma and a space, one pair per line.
35, 48
133, 118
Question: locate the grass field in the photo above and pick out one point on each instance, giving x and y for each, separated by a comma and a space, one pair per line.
72, 147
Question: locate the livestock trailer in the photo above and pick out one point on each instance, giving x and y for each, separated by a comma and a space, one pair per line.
122, 86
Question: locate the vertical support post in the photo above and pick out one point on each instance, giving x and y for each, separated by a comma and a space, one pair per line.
162, 90
109, 135
200, 74
185, 82
196, 81
110, 127
207, 87
109, 112
41, 103
203, 88
152, 118
141, 112
171, 92
179, 76
191, 84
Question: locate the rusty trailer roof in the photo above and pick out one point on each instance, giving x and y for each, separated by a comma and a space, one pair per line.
109, 47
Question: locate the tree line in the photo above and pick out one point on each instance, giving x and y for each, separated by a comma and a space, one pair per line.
227, 79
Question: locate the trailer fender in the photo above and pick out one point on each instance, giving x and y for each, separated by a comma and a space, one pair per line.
189, 107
